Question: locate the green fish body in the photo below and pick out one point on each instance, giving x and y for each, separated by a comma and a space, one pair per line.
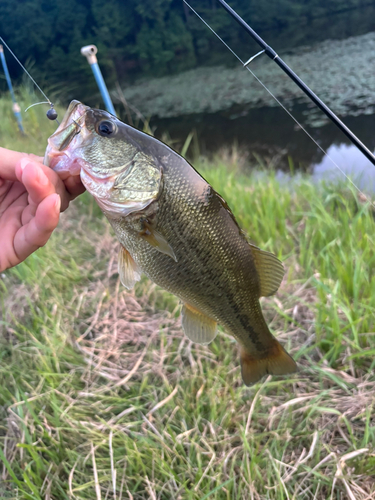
177, 230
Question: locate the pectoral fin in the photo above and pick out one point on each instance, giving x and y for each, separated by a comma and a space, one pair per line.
197, 326
128, 270
157, 240
270, 271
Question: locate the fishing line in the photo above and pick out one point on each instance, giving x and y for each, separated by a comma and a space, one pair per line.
246, 65
51, 113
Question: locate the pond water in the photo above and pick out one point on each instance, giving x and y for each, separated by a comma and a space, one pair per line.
270, 135
224, 104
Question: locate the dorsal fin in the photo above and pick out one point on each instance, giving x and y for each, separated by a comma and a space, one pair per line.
270, 271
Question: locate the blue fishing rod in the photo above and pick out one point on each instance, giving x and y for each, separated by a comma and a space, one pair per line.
16, 109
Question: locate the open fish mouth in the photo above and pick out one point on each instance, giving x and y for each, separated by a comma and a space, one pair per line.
58, 155
82, 145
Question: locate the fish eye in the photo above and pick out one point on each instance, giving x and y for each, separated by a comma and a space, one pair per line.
106, 128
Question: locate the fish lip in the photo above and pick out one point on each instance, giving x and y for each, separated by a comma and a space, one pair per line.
57, 149
54, 158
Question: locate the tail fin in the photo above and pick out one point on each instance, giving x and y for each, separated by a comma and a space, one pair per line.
276, 362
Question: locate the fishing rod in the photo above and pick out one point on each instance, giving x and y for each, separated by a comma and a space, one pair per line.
271, 53
297, 80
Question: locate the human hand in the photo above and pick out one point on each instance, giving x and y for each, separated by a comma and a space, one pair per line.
31, 198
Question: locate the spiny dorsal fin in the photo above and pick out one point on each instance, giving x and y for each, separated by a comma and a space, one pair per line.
128, 270
270, 271
197, 326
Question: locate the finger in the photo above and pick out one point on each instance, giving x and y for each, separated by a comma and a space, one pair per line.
74, 185
8, 160
36, 233
12, 194
28, 213
36, 182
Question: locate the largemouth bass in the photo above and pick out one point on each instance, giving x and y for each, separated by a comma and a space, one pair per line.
177, 230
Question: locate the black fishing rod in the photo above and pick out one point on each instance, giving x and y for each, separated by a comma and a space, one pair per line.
273, 55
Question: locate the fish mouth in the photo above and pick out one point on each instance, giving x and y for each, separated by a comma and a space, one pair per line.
58, 155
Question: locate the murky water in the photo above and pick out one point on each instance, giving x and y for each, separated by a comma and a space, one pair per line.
271, 135
225, 105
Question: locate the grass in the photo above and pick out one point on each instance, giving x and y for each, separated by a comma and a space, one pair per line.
102, 397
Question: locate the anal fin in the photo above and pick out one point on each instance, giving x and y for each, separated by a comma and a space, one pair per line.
276, 362
197, 326
128, 270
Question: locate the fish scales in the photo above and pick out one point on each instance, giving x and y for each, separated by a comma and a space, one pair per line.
215, 270
178, 231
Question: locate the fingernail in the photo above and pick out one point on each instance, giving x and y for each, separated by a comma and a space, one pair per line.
58, 203
23, 163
